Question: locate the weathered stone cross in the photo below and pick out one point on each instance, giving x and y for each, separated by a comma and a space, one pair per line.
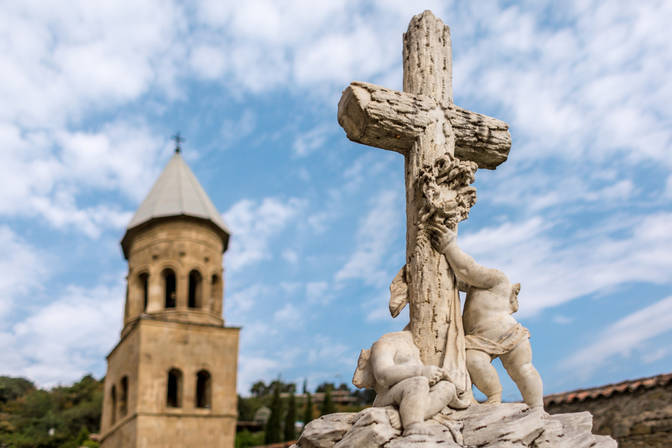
437, 139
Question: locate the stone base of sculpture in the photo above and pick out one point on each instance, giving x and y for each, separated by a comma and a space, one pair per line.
508, 425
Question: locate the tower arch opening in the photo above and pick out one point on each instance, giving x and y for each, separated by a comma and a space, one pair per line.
170, 288
203, 389
113, 405
123, 397
174, 389
195, 289
143, 284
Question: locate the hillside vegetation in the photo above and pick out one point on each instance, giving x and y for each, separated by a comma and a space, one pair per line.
61, 417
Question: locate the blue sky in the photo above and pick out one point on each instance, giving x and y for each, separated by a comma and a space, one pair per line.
580, 213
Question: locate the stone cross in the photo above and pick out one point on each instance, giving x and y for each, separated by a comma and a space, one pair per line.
442, 144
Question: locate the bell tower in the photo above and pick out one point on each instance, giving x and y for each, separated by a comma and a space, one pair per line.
171, 379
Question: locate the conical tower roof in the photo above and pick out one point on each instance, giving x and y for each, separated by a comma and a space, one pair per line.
176, 192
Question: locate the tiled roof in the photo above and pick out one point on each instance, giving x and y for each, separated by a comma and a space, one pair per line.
609, 389
177, 192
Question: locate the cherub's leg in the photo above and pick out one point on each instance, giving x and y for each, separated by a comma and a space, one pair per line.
440, 395
483, 375
518, 364
412, 396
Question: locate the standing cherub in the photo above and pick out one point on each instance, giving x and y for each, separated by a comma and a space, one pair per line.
490, 330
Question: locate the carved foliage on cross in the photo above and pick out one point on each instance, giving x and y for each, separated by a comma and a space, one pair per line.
447, 191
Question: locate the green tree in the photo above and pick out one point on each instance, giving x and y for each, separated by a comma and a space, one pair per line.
13, 388
273, 425
328, 406
308, 410
290, 419
59, 418
259, 389
325, 386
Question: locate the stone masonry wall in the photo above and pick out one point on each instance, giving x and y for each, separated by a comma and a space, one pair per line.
636, 419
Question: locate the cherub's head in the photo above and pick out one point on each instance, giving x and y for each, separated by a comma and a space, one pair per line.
513, 298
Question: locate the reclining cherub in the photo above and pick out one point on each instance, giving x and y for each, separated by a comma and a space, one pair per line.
393, 368
490, 330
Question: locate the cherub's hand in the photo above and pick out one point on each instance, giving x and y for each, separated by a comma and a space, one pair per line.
433, 373
441, 236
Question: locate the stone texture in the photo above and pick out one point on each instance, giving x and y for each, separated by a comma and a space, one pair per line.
155, 339
635, 418
326, 430
488, 426
371, 429
392, 120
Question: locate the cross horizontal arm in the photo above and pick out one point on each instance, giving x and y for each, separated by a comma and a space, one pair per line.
392, 120
479, 138
384, 118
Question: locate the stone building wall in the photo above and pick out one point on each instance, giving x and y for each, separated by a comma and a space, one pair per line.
636, 413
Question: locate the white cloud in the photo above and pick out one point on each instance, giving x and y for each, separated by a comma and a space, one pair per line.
554, 271
562, 319
241, 301
307, 142
254, 368
323, 350
290, 256
254, 224
236, 129
624, 336
590, 88
60, 342
289, 316
61, 62
50, 184
668, 187
24, 270
374, 239
318, 292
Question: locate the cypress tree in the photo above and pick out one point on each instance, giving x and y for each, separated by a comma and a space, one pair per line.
273, 425
308, 411
328, 406
290, 419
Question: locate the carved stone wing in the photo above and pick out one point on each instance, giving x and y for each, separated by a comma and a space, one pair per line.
363, 377
398, 292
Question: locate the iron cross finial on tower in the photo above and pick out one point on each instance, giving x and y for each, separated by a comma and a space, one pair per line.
178, 139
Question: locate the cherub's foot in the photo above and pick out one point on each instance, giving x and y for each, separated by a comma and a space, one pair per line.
457, 403
417, 428
494, 399
393, 417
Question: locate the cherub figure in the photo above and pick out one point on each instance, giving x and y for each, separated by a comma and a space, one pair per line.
490, 330
393, 368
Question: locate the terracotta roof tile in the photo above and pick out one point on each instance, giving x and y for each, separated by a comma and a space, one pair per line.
609, 389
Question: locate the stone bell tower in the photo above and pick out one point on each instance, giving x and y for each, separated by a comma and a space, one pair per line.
171, 379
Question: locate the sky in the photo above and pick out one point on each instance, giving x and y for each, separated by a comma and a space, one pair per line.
580, 214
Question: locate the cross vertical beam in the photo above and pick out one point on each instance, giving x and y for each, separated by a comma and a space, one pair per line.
435, 313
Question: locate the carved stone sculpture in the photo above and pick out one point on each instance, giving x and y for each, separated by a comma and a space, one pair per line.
426, 370
433, 134
490, 330
392, 367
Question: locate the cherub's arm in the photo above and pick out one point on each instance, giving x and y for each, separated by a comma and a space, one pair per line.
464, 266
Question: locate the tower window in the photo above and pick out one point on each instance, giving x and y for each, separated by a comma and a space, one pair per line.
170, 283
195, 289
203, 389
174, 390
113, 400
123, 397
144, 288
